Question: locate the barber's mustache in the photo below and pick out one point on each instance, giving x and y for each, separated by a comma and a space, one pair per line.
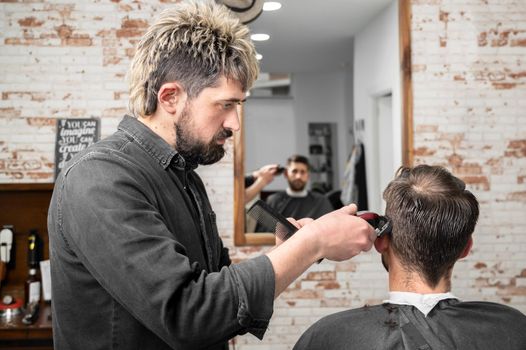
224, 134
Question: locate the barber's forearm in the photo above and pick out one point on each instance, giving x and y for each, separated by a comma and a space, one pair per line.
293, 257
252, 191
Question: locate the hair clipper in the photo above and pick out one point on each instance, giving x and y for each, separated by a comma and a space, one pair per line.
381, 224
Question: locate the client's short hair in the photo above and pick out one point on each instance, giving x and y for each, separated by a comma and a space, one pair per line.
297, 158
433, 217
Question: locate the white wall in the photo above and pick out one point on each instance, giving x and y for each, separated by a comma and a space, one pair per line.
376, 72
270, 134
276, 128
321, 97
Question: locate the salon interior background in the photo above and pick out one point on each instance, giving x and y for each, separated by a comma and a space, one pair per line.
68, 60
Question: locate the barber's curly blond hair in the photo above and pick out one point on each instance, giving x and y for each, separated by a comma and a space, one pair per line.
193, 43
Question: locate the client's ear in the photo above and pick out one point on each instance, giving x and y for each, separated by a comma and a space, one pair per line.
381, 243
467, 248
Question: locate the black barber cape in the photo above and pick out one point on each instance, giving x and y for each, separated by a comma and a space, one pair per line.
452, 324
312, 206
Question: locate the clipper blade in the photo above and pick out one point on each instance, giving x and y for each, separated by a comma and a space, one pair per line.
381, 224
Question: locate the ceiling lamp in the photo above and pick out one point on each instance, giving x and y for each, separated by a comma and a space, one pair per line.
259, 56
271, 6
260, 37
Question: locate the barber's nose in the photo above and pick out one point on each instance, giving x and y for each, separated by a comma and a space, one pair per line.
232, 120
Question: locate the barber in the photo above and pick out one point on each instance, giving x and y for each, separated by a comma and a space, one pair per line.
136, 259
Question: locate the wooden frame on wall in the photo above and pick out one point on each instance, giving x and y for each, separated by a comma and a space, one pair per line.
240, 237
404, 24
406, 90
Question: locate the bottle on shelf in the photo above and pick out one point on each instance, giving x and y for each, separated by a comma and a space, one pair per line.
33, 282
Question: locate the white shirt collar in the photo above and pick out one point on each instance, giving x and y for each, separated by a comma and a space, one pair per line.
299, 194
423, 302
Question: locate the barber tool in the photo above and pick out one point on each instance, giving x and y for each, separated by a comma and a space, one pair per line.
271, 220
381, 224
279, 170
6, 243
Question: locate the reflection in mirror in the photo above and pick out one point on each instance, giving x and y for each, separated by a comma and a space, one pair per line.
353, 93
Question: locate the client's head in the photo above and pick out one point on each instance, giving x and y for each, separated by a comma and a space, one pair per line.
297, 172
433, 217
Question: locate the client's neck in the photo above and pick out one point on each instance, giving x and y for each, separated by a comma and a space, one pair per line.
402, 280
292, 193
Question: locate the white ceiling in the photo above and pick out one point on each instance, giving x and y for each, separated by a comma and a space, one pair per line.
309, 35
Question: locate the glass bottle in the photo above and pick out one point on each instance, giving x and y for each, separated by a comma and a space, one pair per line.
33, 282
32, 287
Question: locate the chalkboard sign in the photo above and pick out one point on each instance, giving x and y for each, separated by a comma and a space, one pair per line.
73, 135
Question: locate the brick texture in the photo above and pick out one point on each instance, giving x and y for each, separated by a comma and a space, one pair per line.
69, 59
469, 85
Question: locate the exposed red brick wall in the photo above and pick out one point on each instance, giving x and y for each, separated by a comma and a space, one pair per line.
469, 80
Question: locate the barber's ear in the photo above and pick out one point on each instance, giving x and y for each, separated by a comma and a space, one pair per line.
467, 248
169, 95
381, 243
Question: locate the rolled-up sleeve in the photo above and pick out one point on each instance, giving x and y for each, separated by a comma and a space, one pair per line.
255, 281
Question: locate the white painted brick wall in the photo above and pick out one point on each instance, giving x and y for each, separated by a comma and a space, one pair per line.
468, 114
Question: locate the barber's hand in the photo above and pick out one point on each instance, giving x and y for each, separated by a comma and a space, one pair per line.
266, 173
340, 234
298, 223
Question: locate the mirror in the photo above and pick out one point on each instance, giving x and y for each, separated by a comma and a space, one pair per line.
317, 95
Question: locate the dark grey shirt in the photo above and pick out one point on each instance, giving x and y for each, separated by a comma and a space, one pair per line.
136, 259
450, 325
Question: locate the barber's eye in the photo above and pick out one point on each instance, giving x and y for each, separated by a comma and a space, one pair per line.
228, 105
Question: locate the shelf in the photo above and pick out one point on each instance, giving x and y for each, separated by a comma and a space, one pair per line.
27, 186
321, 142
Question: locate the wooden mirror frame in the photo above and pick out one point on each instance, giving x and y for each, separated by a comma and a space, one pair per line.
404, 26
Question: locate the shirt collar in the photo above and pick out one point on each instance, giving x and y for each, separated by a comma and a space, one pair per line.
153, 144
423, 302
299, 194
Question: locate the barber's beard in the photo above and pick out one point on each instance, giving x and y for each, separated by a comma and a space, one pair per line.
195, 151
297, 185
